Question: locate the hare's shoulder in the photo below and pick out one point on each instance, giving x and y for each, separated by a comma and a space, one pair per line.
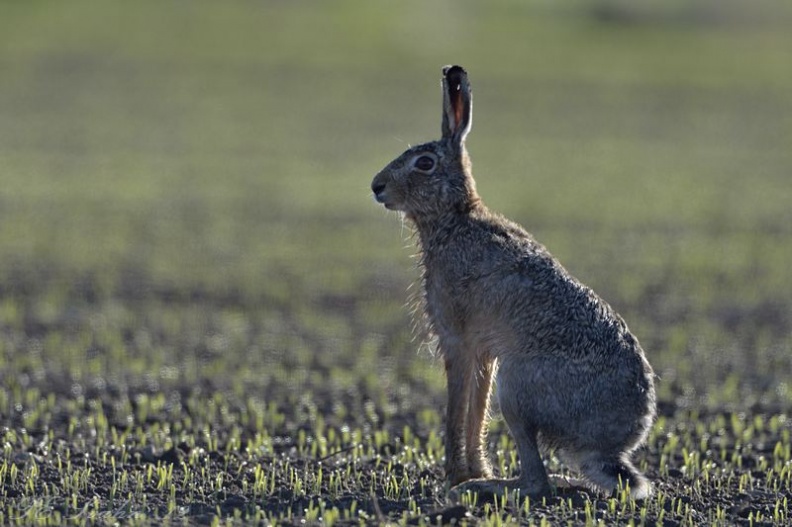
513, 259
509, 246
485, 249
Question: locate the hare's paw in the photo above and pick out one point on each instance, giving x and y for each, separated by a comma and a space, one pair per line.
481, 489
559, 481
466, 470
489, 489
457, 474
480, 469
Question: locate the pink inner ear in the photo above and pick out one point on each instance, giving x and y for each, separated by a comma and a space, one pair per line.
456, 103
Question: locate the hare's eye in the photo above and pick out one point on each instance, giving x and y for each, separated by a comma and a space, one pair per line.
424, 163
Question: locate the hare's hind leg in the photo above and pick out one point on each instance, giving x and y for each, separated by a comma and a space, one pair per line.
608, 472
478, 419
533, 480
533, 476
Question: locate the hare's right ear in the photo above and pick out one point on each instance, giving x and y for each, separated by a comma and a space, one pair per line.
457, 104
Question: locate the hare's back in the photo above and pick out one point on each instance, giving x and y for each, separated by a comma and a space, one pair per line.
534, 294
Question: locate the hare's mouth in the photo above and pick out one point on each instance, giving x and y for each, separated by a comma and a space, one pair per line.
388, 205
380, 197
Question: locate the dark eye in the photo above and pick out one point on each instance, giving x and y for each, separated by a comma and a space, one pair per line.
424, 163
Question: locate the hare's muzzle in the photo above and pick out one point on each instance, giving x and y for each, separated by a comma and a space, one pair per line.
378, 188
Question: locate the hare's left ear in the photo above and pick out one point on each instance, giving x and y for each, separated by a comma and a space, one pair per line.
457, 104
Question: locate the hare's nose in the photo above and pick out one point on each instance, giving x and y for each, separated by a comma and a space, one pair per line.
377, 188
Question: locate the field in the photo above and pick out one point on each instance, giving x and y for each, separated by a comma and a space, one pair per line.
202, 310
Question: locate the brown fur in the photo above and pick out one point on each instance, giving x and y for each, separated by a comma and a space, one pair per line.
569, 374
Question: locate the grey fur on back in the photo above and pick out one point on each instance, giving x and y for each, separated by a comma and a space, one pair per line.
570, 375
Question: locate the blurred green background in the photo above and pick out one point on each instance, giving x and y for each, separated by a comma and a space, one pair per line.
184, 186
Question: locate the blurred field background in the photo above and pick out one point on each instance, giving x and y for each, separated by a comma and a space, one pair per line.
186, 220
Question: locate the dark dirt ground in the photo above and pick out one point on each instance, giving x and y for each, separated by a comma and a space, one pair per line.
96, 432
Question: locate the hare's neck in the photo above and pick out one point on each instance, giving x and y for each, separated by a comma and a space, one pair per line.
437, 233
434, 232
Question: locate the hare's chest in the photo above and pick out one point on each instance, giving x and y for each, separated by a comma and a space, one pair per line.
446, 305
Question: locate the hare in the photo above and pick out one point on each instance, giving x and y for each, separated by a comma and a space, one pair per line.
569, 374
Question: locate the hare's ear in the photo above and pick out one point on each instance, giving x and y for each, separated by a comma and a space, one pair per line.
457, 104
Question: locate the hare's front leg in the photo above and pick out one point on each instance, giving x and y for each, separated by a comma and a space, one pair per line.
459, 375
478, 419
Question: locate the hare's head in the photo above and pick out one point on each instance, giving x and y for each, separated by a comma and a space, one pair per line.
434, 178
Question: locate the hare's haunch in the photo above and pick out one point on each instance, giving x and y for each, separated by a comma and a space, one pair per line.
569, 374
